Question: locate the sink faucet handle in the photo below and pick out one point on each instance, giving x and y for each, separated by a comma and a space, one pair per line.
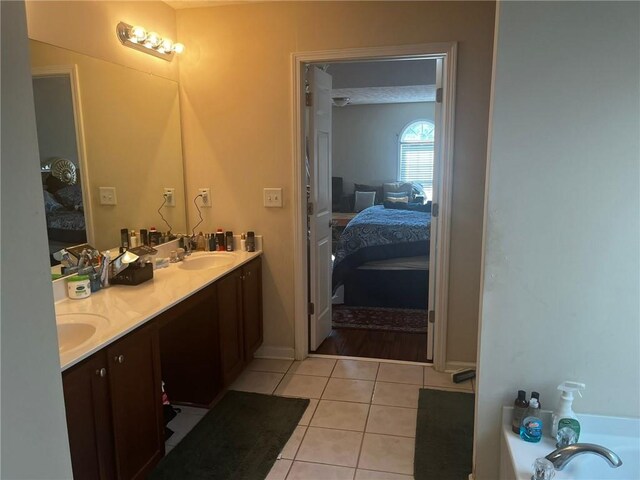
543, 469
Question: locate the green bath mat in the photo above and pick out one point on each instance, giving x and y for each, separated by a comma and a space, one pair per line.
444, 435
240, 438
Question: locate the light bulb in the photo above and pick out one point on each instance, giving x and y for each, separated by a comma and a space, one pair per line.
178, 48
137, 34
153, 40
166, 46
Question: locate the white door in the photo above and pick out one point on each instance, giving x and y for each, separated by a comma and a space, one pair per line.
319, 150
437, 182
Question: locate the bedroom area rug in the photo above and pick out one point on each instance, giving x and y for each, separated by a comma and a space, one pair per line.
406, 320
239, 439
444, 435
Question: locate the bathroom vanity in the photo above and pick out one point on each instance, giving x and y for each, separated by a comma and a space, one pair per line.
195, 326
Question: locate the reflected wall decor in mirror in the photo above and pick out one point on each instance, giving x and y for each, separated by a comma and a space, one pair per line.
127, 136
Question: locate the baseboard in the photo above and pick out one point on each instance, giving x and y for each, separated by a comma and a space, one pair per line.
280, 353
453, 366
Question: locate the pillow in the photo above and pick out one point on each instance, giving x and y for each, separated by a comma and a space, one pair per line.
398, 187
70, 197
371, 188
51, 204
397, 197
364, 200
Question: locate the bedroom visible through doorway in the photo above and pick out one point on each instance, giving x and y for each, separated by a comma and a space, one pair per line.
371, 141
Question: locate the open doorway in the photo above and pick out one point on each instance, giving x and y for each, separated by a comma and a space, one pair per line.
388, 141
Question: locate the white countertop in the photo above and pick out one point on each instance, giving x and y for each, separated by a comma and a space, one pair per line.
127, 307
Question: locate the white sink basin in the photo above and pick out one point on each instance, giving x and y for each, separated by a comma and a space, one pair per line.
206, 261
75, 329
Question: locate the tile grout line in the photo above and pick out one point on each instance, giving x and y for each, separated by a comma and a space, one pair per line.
366, 422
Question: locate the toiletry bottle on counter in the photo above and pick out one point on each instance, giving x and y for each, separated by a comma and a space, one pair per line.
520, 407
251, 242
243, 242
78, 286
144, 236
154, 237
212, 242
531, 428
229, 241
220, 240
200, 242
565, 427
124, 239
133, 239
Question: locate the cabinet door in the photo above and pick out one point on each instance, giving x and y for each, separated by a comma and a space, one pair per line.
190, 350
252, 307
86, 400
136, 402
230, 326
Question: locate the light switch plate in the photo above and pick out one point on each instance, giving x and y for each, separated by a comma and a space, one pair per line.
108, 196
273, 197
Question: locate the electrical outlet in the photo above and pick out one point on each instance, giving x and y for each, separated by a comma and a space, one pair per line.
108, 196
170, 195
205, 196
273, 197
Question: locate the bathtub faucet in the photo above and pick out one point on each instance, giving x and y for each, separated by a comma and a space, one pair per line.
561, 456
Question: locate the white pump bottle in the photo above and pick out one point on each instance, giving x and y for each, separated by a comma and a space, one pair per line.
565, 409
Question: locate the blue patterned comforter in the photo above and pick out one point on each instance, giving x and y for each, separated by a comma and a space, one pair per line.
377, 233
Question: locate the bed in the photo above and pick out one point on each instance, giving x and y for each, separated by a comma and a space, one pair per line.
64, 212
382, 258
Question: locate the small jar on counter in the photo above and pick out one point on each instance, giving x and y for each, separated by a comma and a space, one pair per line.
78, 286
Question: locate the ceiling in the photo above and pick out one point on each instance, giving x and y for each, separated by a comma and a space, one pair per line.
180, 4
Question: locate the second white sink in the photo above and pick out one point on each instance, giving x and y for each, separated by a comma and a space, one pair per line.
205, 261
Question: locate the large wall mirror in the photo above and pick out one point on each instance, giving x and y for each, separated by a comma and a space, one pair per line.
115, 127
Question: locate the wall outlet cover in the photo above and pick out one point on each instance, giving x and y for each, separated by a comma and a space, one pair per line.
170, 195
205, 197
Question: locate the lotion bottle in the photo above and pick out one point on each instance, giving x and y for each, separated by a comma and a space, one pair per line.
564, 417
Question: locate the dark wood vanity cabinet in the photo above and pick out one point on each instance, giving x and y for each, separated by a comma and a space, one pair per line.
198, 347
189, 349
240, 318
252, 307
114, 409
229, 306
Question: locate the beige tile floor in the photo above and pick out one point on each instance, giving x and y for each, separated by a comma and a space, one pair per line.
360, 423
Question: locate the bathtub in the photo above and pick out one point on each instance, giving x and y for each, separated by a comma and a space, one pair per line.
622, 435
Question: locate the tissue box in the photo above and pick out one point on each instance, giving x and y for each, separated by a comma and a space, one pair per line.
133, 275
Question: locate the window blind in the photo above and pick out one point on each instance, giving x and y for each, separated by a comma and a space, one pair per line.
416, 164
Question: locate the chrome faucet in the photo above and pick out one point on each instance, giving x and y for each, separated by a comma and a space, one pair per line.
561, 456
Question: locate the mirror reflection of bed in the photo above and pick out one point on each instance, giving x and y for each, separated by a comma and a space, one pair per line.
59, 162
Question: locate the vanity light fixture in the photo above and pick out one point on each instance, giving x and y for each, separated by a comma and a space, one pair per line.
149, 42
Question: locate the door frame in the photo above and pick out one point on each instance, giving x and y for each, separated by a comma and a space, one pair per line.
72, 72
298, 60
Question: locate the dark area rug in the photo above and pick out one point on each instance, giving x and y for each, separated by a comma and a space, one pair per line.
444, 435
378, 318
240, 438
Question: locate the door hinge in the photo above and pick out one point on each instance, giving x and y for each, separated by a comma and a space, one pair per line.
439, 95
432, 316
312, 308
309, 208
435, 209
308, 99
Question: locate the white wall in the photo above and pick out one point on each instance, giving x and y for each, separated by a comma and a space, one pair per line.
34, 431
560, 299
365, 140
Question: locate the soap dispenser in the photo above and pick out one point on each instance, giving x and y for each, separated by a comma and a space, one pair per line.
565, 427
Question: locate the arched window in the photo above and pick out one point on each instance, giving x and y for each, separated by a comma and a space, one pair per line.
415, 163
